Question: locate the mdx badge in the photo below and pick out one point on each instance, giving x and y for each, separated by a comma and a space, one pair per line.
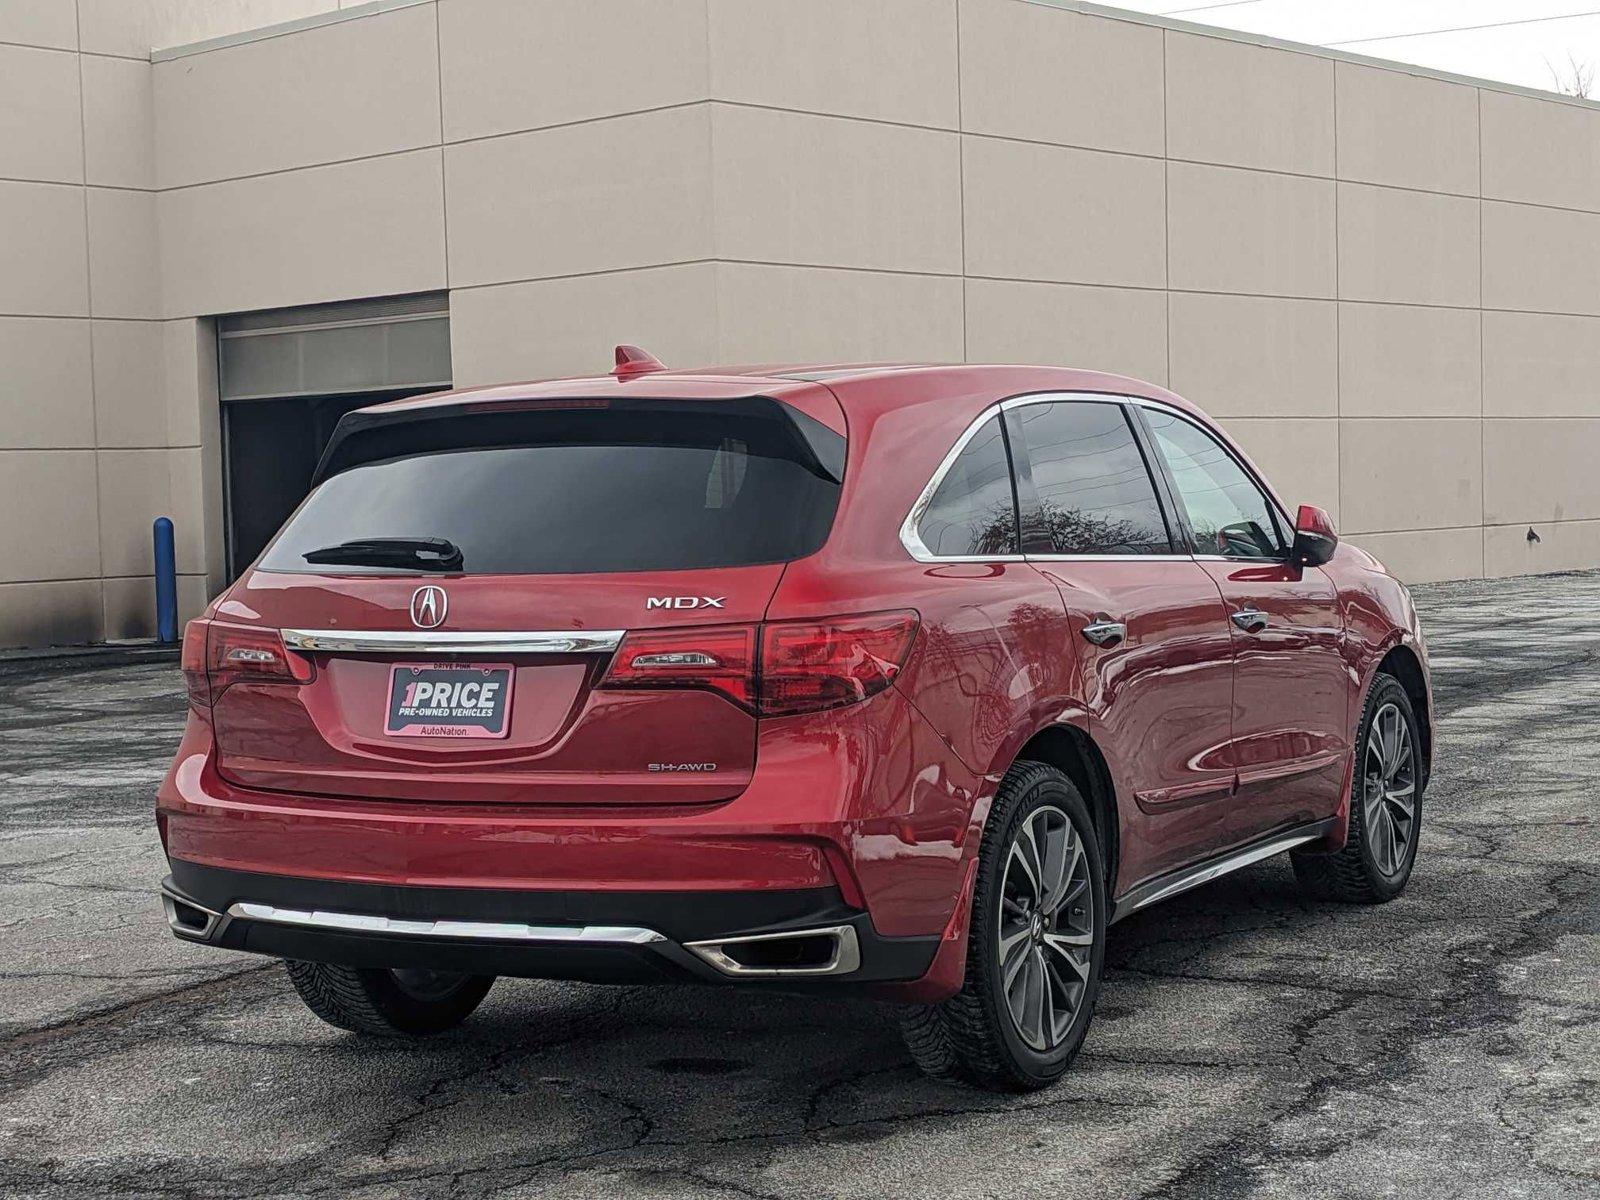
428, 607
686, 602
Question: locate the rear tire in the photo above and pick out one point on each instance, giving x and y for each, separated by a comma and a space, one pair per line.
1034, 948
384, 1003
1385, 807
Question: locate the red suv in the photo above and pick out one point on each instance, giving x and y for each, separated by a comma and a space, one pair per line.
905, 680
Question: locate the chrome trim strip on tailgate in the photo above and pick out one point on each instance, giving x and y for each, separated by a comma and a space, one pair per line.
433, 641
494, 931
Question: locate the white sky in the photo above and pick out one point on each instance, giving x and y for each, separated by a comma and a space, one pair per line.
1509, 40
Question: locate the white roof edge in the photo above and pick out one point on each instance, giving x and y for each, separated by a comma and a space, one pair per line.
333, 16
1272, 43
373, 7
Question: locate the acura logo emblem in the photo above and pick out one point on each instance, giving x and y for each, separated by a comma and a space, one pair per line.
428, 607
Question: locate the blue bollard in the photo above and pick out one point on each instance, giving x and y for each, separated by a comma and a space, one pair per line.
166, 582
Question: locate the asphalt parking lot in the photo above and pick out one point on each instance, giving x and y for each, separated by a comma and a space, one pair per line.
1248, 1042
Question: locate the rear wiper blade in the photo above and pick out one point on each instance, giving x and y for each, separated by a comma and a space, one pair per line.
430, 553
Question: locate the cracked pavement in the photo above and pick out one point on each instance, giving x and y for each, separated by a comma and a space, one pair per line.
1248, 1042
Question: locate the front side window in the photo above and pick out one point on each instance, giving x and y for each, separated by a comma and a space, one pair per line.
1095, 492
973, 512
1227, 511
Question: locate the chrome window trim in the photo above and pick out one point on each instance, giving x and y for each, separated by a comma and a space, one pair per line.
912, 540
497, 931
433, 641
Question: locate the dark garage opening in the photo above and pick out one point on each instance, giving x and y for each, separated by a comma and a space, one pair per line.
287, 376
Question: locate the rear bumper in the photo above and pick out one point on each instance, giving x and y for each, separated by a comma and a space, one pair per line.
793, 938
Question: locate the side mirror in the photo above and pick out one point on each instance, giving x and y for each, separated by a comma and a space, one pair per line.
1314, 538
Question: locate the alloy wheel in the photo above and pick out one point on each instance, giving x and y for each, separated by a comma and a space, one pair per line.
1389, 789
1046, 928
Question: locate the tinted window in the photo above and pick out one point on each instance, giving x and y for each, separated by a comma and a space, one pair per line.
974, 511
654, 485
1227, 511
1095, 492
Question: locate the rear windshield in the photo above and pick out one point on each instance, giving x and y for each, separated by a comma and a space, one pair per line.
642, 486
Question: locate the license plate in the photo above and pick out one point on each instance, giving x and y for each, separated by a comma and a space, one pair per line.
449, 700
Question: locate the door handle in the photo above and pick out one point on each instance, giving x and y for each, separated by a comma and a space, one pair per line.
1104, 633
1251, 620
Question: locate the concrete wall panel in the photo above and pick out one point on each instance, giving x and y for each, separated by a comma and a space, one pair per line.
1407, 247
1541, 470
633, 192
46, 272
1540, 365
1241, 105
1060, 215
124, 258
1562, 546
39, 23
892, 60
824, 191
41, 130
118, 122
1298, 455
136, 487
509, 65
347, 90
1247, 231
1047, 75
47, 393
368, 228
50, 530
1429, 555
1113, 329
130, 400
1541, 151
1396, 360
1541, 259
1409, 474
1406, 130
1255, 356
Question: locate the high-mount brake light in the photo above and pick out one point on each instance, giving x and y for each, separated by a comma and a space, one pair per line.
217, 654
804, 666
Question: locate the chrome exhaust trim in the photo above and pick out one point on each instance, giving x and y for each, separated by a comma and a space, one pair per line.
844, 957
488, 931
176, 907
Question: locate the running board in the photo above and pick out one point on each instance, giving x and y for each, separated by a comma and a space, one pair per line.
1164, 887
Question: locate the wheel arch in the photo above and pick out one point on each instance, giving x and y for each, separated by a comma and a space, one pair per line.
1073, 752
1403, 664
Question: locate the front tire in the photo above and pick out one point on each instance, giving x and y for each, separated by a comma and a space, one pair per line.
1385, 807
384, 1003
1035, 946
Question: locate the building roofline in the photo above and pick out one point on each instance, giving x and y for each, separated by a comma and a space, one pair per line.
374, 7
1272, 43
334, 16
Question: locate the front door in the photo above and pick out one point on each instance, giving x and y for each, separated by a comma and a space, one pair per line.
1151, 628
1290, 740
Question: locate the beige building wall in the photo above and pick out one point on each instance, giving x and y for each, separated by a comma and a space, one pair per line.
1385, 282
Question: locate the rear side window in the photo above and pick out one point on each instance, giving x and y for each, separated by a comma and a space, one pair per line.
1095, 492
642, 486
973, 512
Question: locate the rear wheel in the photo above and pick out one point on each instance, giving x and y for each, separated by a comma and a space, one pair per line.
1034, 948
387, 1003
1385, 807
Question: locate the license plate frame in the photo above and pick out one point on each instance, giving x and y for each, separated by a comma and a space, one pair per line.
448, 720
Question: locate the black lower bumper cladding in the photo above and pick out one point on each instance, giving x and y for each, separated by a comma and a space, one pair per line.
602, 937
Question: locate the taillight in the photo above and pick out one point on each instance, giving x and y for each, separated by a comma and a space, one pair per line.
717, 658
803, 666
216, 654
807, 665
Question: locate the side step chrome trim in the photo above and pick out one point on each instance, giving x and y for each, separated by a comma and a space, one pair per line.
427, 641
489, 931
1164, 887
846, 955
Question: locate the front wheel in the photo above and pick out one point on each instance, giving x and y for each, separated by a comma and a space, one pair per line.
387, 1003
1034, 948
1385, 807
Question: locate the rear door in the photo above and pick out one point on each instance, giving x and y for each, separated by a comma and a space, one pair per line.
1290, 680
1152, 632
580, 528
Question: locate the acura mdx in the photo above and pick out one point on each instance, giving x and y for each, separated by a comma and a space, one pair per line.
906, 681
